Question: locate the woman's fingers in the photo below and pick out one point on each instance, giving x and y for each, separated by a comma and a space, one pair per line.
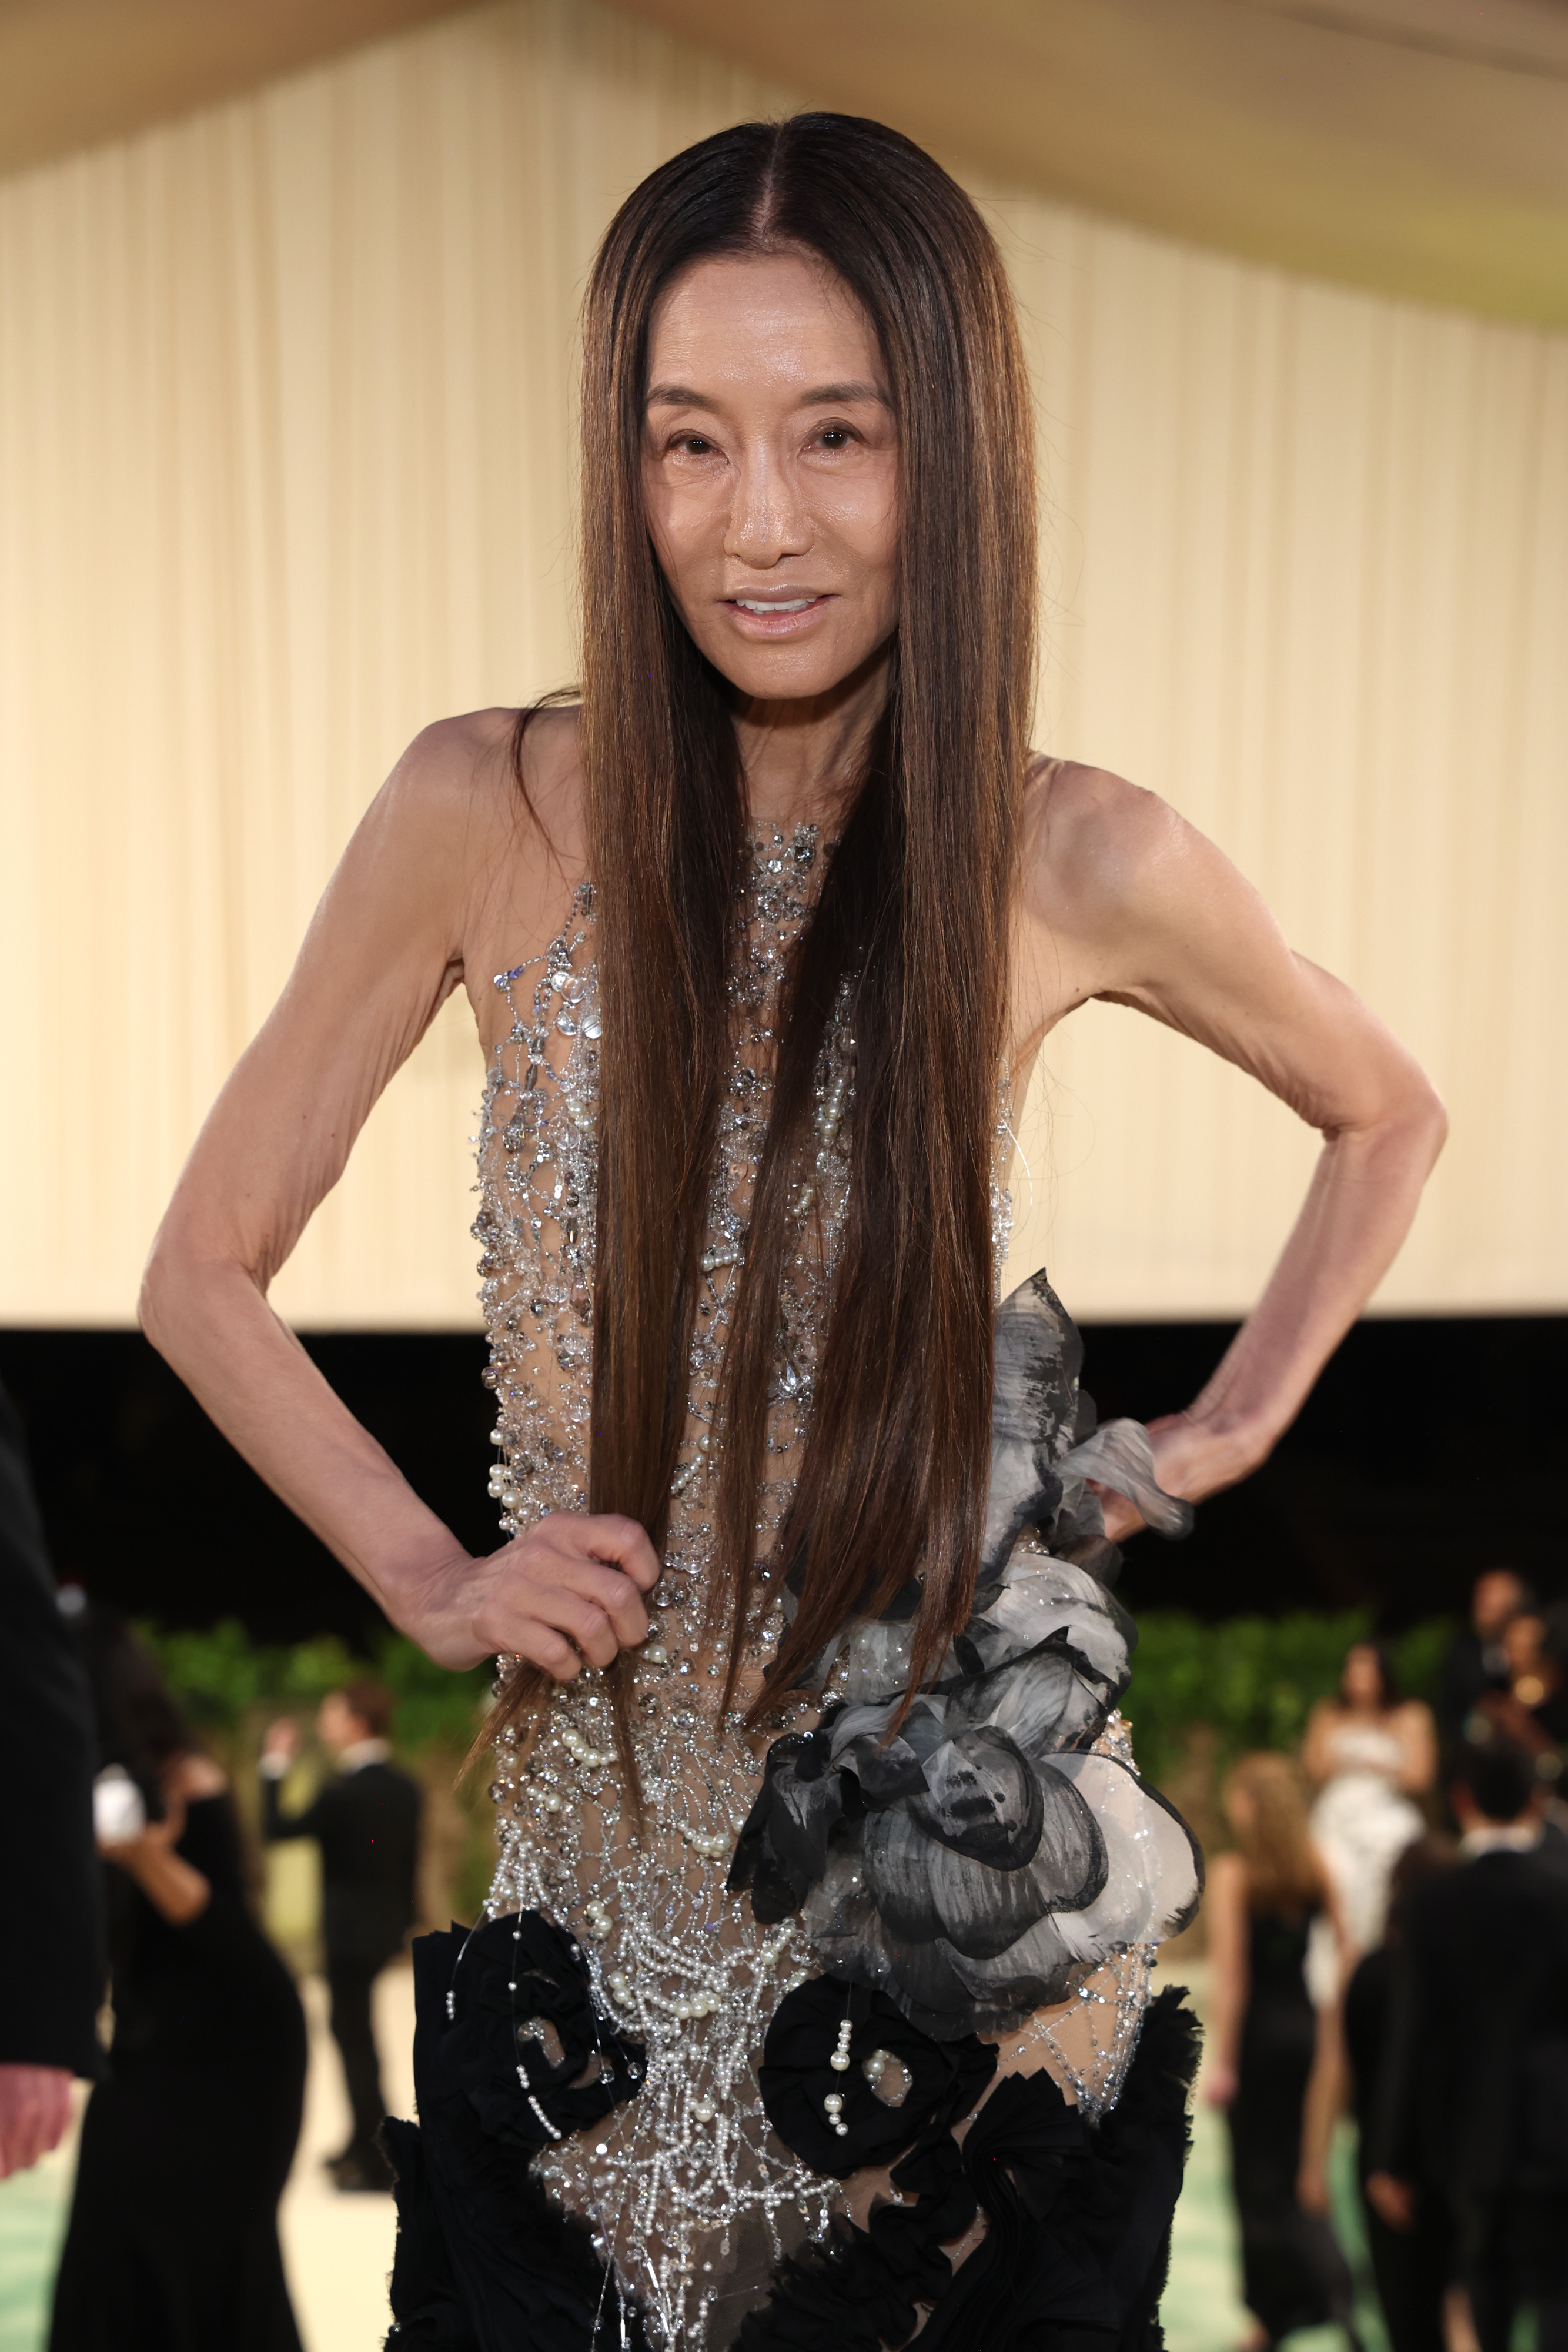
545, 1648
605, 1535
570, 1588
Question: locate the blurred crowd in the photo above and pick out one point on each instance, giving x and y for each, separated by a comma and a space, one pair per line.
1390, 1936
128, 1872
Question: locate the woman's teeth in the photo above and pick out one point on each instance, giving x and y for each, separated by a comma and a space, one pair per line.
749, 604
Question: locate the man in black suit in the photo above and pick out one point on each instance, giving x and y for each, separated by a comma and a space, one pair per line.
51, 1954
1476, 2101
366, 1821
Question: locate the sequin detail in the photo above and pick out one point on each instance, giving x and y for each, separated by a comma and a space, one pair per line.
685, 2187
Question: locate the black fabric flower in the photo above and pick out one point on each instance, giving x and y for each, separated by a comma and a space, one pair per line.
499, 1980
1077, 2245
1076, 2248
782, 1849
484, 2262
796, 2078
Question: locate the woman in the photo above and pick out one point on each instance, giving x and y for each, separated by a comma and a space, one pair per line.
1533, 1707
1369, 1753
173, 2241
809, 1769
1274, 2066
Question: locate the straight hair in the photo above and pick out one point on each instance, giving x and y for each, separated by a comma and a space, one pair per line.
912, 919
1284, 1873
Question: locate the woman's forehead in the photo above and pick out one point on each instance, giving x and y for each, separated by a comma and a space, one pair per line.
785, 318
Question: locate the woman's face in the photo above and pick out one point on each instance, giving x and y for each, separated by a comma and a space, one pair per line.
1362, 1681
771, 473
1523, 1642
1240, 1807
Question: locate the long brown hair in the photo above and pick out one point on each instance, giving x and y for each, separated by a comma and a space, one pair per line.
914, 913
1283, 1871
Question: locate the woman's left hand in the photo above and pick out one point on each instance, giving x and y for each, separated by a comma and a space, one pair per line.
155, 1839
1313, 2189
1192, 1459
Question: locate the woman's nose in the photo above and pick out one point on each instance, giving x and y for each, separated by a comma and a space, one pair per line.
767, 518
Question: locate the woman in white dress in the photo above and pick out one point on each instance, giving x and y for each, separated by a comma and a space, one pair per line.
1370, 1754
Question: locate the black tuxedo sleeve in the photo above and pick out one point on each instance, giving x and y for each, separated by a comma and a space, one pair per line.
1395, 2138
315, 1822
51, 1953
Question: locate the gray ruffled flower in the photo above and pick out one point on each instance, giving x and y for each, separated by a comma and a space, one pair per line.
973, 1863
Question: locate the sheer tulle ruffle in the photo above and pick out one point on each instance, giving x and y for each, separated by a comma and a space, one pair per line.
973, 1861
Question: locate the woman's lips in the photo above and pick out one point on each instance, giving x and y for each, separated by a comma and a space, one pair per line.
782, 616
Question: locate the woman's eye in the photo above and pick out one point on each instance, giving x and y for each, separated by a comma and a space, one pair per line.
695, 445
835, 436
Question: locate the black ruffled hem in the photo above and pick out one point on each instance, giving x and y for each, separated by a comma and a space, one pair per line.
1077, 2246
485, 2261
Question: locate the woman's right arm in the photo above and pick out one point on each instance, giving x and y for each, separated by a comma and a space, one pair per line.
1417, 1736
386, 947
1317, 1748
1225, 1906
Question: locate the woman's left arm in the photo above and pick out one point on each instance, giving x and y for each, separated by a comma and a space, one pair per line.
1417, 1747
171, 1883
1126, 902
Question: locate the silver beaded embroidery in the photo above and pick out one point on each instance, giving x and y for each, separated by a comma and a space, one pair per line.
686, 2187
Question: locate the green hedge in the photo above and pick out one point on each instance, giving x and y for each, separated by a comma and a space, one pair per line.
1252, 1680
221, 1676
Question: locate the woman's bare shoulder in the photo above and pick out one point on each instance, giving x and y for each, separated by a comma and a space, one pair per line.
481, 821
1089, 839
486, 770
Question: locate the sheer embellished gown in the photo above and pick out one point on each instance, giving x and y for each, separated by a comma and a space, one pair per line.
656, 2080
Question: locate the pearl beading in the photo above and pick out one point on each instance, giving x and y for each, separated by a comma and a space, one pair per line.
683, 2188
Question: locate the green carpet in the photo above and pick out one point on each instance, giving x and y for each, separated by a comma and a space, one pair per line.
32, 2223
1202, 2310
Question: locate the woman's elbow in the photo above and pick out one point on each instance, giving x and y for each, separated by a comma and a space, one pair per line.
178, 1285
156, 1304
1409, 1125
1429, 1118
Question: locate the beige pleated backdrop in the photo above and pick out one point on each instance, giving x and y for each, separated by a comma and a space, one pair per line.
286, 464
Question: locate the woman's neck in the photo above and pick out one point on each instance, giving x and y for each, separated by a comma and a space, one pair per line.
802, 759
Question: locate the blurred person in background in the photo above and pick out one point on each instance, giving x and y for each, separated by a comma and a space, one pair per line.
1531, 1708
51, 1956
173, 2241
366, 1821
1369, 1752
1475, 1663
1275, 2056
1412, 2267
1474, 2112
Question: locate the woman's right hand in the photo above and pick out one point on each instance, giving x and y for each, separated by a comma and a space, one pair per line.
567, 1591
1219, 2085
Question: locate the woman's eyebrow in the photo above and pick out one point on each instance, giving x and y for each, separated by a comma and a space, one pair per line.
680, 395
676, 395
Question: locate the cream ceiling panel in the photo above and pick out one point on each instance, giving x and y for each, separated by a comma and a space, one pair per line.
286, 458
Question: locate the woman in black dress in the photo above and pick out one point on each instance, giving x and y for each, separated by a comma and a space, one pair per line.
1275, 2051
173, 2242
